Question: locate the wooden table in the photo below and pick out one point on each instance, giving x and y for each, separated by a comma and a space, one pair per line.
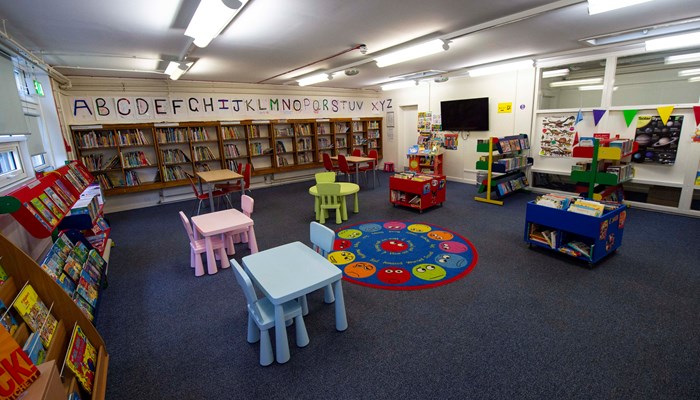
288, 272
219, 175
218, 223
346, 189
357, 161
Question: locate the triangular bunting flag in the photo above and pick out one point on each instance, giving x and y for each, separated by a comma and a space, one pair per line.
664, 113
696, 110
597, 115
575, 138
579, 117
629, 116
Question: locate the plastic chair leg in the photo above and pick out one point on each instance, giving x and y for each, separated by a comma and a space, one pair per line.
253, 330
302, 335
266, 356
338, 216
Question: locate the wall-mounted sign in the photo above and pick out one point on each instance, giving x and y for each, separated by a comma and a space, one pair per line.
505, 108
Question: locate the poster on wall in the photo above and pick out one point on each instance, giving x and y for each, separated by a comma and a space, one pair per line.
658, 142
557, 138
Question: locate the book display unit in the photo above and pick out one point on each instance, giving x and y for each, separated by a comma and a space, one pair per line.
427, 162
585, 237
505, 171
137, 157
416, 190
52, 315
608, 167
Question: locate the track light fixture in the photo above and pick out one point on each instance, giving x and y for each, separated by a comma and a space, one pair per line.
210, 18
177, 68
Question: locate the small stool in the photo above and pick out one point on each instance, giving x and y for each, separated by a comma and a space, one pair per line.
388, 167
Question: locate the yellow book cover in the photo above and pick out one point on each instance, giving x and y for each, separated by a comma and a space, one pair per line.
81, 358
35, 313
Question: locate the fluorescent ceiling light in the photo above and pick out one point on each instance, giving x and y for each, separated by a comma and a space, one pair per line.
176, 69
682, 58
399, 85
495, 69
555, 73
310, 80
694, 79
411, 53
673, 42
577, 82
689, 72
211, 18
593, 87
601, 6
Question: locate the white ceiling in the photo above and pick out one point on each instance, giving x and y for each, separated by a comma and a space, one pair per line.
270, 38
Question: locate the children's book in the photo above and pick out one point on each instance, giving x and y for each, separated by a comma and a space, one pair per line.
34, 349
66, 283
57, 199
17, 367
54, 262
35, 313
87, 309
7, 319
51, 205
80, 252
73, 268
81, 358
96, 260
3, 275
87, 289
63, 243
36, 215
61, 189
45, 212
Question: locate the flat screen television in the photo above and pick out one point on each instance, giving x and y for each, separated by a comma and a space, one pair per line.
465, 114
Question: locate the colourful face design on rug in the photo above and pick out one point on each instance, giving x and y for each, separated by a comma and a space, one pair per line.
400, 255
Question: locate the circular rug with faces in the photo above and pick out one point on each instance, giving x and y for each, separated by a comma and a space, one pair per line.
401, 255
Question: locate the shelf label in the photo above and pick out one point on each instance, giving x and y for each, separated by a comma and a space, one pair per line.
86, 127
230, 122
165, 124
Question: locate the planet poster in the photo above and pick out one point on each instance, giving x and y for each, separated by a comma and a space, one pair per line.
658, 141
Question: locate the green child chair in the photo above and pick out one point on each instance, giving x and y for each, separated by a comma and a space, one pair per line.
329, 199
325, 177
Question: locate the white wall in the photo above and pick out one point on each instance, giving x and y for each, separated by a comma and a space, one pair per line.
514, 87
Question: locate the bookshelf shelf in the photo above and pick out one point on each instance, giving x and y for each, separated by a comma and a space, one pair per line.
509, 164
608, 166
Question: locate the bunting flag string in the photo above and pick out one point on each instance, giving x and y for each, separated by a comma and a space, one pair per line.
579, 117
665, 112
597, 115
629, 116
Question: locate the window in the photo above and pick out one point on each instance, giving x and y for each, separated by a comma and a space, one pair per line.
11, 168
574, 85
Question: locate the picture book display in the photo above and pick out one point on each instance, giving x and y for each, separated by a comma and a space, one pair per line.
7, 319
81, 358
18, 371
34, 349
35, 313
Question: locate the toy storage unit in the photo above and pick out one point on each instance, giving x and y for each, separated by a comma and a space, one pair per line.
602, 234
420, 192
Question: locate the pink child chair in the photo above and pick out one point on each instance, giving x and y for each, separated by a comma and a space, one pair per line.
197, 247
238, 236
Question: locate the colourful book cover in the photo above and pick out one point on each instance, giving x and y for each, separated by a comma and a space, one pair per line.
87, 309
61, 189
3, 275
57, 199
80, 252
96, 260
34, 349
35, 313
81, 358
73, 268
51, 205
37, 216
54, 262
8, 320
87, 290
18, 370
63, 243
41, 208
66, 284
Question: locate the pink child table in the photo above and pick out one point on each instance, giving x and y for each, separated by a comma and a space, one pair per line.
218, 223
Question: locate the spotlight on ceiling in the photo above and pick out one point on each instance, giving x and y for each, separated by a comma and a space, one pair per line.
352, 71
440, 79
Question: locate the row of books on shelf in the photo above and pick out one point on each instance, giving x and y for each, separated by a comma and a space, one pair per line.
233, 132
412, 175
203, 153
56, 200
133, 138
172, 135
304, 144
509, 144
511, 185
403, 197
231, 150
284, 131
513, 162
201, 134
174, 173
93, 139
172, 156
257, 149
576, 204
132, 159
623, 172
98, 162
29, 308
553, 238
